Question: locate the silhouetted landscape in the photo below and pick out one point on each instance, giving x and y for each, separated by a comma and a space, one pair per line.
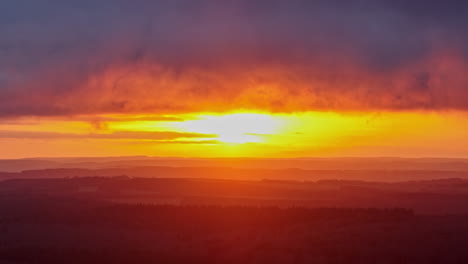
177, 214
233, 132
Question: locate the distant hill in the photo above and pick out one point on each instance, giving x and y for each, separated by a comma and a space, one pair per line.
242, 174
429, 164
428, 197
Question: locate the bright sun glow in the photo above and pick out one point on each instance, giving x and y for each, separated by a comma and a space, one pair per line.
233, 128
265, 135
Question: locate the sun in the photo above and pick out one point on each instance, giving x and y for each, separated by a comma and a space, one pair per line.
237, 128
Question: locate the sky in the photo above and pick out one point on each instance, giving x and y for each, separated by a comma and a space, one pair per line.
210, 78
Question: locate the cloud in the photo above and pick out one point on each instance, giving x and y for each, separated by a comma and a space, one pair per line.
182, 142
164, 136
98, 57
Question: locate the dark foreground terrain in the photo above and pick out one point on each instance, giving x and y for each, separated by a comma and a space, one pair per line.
141, 220
47, 230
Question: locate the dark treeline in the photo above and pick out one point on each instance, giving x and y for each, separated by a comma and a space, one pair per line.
158, 216
215, 218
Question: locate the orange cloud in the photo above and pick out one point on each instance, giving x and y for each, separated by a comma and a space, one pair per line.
435, 83
163, 57
163, 136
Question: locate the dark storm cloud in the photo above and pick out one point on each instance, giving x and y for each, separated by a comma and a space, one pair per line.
85, 57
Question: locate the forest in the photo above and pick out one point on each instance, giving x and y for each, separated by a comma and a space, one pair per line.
81, 220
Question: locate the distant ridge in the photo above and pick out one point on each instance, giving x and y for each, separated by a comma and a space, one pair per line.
381, 163
240, 174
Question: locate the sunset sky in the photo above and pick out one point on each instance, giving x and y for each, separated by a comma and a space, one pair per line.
242, 78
